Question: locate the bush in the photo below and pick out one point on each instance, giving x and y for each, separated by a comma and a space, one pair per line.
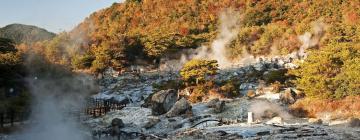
332, 72
198, 94
198, 71
230, 89
82, 61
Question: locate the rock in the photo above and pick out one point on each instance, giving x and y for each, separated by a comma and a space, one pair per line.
260, 66
152, 120
269, 114
212, 103
275, 120
117, 123
136, 116
247, 86
251, 94
315, 121
354, 122
180, 107
288, 97
162, 101
219, 107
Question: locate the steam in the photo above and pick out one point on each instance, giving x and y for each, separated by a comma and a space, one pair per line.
259, 108
228, 30
311, 39
58, 95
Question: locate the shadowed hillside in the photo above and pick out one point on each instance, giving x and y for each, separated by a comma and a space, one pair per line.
25, 33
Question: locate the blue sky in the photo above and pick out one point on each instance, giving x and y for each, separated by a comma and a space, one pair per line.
53, 15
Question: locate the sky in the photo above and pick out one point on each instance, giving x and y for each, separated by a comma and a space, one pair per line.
52, 15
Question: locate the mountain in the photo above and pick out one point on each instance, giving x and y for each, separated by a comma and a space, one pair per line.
155, 28
27, 34
145, 32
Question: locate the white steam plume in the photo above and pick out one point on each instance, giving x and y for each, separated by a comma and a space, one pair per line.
57, 94
311, 39
259, 108
228, 30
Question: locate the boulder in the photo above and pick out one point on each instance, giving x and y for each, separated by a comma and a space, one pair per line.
275, 120
288, 97
116, 125
315, 121
354, 122
219, 107
116, 122
212, 103
250, 94
180, 107
162, 101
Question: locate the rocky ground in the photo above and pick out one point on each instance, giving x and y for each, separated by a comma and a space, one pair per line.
168, 117
165, 115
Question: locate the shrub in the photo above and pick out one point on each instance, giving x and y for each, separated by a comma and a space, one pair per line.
198, 94
230, 88
82, 61
332, 72
198, 71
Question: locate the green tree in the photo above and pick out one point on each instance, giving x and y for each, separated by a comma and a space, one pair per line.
196, 70
332, 72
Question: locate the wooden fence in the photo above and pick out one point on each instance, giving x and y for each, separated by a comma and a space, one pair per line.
99, 107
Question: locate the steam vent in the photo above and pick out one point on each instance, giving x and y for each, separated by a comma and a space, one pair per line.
180, 70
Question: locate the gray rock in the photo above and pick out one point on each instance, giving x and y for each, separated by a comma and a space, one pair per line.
219, 107
354, 122
162, 101
179, 108
116, 125
212, 103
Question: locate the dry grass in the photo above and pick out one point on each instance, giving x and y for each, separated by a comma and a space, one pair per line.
331, 109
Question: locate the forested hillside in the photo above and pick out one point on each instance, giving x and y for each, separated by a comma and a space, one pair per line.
149, 29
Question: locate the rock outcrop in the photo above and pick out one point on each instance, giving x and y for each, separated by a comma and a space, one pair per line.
162, 101
180, 107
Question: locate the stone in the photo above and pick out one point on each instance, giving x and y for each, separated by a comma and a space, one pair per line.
116, 125
219, 107
268, 113
212, 103
116, 122
354, 122
152, 121
315, 121
180, 107
162, 101
275, 120
288, 97
260, 66
251, 94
